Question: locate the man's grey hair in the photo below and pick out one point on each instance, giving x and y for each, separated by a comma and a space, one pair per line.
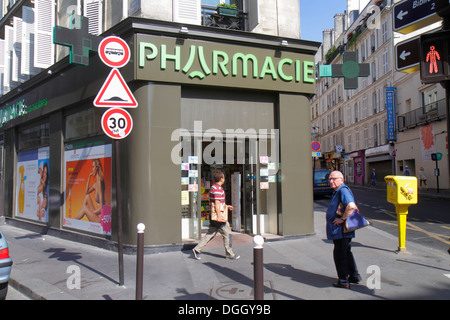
338, 174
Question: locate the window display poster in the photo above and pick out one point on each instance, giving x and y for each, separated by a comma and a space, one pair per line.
88, 188
32, 188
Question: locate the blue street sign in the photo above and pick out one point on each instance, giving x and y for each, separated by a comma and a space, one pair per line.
411, 15
390, 110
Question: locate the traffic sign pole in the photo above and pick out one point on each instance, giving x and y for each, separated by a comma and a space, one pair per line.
116, 122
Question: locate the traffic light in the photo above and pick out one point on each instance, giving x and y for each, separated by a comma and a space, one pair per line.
434, 57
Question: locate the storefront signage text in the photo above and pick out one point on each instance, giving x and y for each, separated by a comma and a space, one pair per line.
221, 62
19, 109
223, 65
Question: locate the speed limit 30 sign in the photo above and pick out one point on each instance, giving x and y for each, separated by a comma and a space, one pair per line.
117, 123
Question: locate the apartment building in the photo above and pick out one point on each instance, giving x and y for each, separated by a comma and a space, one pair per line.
198, 72
352, 124
380, 124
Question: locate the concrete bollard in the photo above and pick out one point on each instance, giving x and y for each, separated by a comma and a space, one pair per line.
140, 261
258, 268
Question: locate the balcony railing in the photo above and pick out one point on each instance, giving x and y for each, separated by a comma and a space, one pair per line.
211, 18
428, 113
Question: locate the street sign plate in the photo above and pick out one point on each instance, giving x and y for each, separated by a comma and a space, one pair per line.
114, 52
316, 154
115, 93
407, 55
315, 146
411, 15
117, 123
436, 156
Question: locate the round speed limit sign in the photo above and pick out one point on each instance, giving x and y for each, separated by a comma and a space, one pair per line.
117, 123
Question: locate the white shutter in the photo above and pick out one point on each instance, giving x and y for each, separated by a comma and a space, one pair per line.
2, 65
187, 11
9, 42
28, 35
17, 46
44, 49
93, 10
253, 14
17, 56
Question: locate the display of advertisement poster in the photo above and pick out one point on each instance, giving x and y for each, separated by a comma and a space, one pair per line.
87, 183
427, 142
32, 190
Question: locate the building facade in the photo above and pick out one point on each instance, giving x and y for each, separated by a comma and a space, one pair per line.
365, 128
209, 98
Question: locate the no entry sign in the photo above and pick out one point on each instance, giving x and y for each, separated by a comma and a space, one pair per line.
114, 52
117, 123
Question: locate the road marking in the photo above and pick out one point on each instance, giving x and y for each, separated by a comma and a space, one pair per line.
436, 236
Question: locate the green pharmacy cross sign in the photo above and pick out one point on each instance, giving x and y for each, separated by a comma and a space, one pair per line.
350, 70
78, 39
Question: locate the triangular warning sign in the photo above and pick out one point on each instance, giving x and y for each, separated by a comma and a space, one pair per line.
115, 93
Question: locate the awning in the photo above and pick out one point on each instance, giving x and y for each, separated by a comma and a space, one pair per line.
378, 151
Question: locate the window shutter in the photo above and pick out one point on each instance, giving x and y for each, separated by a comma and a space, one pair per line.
44, 49
9, 42
17, 46
28, 35
2, 65
187, 11
253, 14
93, 10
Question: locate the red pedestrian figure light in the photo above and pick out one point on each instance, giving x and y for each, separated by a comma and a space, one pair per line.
432, 57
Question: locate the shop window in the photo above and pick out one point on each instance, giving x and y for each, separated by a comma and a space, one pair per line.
83, 124
34, 136
32, 186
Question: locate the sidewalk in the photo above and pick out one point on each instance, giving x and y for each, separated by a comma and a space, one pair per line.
299, 268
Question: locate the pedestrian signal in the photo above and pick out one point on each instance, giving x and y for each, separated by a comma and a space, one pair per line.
434, 57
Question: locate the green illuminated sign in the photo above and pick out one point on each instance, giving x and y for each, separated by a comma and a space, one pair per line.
350, 70
198, 62
19, 109
78, 39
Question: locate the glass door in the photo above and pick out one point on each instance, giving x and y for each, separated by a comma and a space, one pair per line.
249, 184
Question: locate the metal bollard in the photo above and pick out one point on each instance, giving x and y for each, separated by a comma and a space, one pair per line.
258, 272
140, 261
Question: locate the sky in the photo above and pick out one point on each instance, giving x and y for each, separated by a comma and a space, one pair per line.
318, 15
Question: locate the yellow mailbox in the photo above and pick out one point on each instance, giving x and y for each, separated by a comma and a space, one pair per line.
402, 192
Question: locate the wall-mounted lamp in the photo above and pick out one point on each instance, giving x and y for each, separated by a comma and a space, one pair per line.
284, 43
184, 30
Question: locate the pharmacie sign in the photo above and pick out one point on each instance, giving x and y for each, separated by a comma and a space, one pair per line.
210, 63
18, 109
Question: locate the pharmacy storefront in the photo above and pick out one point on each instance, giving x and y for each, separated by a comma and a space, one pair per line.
221, 100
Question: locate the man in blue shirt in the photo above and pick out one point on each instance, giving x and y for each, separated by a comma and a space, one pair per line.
341, 206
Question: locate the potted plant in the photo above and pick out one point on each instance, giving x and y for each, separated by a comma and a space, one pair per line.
227, 10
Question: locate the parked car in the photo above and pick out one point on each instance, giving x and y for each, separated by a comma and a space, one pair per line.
5, 266
321, 186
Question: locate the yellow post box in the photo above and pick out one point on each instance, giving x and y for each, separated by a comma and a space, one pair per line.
402, 192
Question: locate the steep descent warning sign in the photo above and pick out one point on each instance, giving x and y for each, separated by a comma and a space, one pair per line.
115, 93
